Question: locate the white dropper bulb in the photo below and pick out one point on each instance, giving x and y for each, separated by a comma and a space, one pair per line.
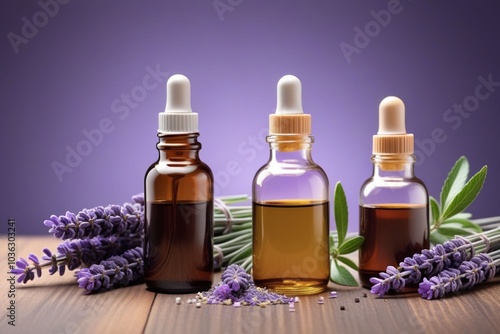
392, 137
391, 117
289, 96
178, 94
178, 116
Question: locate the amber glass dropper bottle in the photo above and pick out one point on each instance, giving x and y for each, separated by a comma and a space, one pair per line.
290, 204
178, 247
394, 214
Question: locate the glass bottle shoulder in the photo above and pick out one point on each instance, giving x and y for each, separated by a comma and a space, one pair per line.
393, 190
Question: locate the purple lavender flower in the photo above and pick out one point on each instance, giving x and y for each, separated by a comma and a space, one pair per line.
99, 221
236, 278
478, 269
427, 263
117, 271
25, 271
73, 254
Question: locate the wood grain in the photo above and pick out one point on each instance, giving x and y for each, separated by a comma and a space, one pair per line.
53, 304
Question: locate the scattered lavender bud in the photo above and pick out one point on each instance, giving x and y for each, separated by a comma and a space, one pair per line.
237, 304
296, 299
178, 300
198, 305
356, 300
321, 300
333, 294
237, 286
365, 295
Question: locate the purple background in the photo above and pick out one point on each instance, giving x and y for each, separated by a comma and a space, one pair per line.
82, 61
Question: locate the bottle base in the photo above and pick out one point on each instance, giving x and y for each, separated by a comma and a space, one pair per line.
294, 287
175, 287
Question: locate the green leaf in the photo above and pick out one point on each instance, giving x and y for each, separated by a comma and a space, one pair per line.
463, 223
332, 244
348, 261
467, 195
462, 215
340, 275
451, 232
351, 244
454, 182
438, 238
434, 211
341, 212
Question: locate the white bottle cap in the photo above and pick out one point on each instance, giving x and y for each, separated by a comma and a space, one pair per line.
289, 117
392, 137
178, 116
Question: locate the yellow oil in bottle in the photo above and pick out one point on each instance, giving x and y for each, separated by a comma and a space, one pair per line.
290, 240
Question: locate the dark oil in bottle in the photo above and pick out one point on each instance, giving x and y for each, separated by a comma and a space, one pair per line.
178, 243
392, 232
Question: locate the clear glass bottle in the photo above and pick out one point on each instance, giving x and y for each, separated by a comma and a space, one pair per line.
178, 247
290, 204
394, 214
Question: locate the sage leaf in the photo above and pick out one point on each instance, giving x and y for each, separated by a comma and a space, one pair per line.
466, 195
332, 244
340, 275
454, 182
437, 238
351, 244
348, 262
451, 232
463, 223
341, 212
435, 211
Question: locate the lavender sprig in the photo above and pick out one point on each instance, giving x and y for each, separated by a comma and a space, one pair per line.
99, 221
238, 286
117, 271
430, 262
73, 254
479, 269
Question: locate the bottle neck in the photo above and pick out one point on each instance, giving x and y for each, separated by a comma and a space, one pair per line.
290, 147
399, 166
178, 146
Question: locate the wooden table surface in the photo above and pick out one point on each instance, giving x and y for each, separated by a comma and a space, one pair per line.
54, 304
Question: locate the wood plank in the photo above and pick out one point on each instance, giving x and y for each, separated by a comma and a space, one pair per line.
55, 304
